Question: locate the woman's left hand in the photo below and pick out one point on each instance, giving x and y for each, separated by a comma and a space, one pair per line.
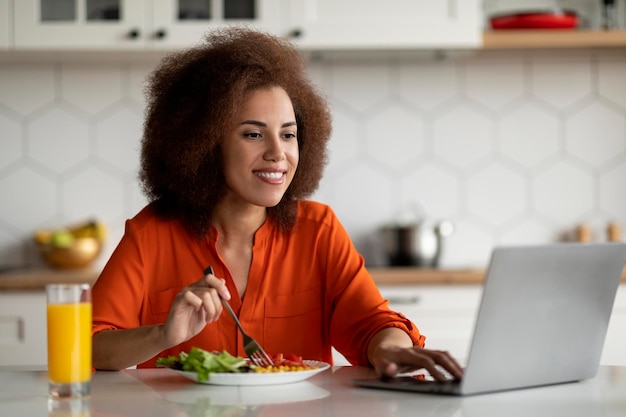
391, 352
393, 360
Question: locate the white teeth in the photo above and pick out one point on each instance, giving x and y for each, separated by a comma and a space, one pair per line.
271, 175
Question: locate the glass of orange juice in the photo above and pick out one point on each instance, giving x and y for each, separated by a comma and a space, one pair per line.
69, 339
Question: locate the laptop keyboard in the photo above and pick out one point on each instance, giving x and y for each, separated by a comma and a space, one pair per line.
425, 376
412, 383
445, 373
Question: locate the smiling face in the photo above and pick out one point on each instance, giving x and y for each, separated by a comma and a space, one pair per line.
261, 150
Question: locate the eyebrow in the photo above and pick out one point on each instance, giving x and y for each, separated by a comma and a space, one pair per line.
262, 124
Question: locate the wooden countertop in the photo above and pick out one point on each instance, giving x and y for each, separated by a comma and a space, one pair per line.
30, 280
550, 39
36, 279
426, 276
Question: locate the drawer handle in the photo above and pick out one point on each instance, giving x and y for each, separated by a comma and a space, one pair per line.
404, 299
296, 33
134, 33
160, 34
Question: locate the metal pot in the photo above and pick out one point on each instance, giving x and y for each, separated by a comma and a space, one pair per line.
418, 244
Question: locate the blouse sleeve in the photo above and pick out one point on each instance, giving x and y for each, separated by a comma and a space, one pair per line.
358, 309
118, 294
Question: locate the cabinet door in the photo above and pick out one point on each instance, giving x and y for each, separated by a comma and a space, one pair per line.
23, 329
614, 352
79, 24
5, 25
389, 24
181, 23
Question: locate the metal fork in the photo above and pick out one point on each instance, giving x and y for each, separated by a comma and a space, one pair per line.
255, 352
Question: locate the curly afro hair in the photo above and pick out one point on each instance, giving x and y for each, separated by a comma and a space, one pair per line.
192, 97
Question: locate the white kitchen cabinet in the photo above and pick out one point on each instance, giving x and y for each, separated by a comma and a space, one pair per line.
614, 352
312, 24
172, 30
6, 24
390, 24
132, 24
23, 334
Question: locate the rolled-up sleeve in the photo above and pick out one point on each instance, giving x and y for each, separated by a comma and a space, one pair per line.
359, 311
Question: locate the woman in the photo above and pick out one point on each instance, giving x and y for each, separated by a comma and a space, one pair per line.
234, 141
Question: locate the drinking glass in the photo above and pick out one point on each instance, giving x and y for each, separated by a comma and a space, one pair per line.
69, 407
69, 339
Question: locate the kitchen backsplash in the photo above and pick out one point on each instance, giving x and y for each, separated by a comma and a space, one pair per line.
512, 147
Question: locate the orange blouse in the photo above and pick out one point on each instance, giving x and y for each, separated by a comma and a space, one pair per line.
307, 291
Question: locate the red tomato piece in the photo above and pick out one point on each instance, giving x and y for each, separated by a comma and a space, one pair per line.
278, 359
290, 359
294, 358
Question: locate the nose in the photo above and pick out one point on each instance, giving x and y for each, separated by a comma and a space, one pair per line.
274, 150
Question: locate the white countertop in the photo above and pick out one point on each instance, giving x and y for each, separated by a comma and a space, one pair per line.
163, 393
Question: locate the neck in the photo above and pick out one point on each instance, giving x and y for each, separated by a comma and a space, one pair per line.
238, 224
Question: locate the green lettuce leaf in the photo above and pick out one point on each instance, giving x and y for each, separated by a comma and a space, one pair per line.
204, 363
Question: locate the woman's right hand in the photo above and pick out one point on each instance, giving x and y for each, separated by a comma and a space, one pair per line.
193, 308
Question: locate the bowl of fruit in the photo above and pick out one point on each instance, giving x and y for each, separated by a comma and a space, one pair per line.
71, 247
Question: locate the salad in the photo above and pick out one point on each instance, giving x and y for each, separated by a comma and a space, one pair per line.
204, 363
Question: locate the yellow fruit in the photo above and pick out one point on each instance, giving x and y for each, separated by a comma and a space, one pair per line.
91, 228
82, 230
101, 231
42, 237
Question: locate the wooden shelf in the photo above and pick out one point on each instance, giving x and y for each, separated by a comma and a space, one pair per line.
425, 276
546, 39
428, 276
37, 279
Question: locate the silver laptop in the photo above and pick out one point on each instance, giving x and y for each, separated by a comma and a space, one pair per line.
542, 320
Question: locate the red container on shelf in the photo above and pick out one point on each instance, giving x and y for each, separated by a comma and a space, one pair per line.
548, 19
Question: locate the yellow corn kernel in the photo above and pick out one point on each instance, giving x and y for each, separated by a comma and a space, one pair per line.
281, 368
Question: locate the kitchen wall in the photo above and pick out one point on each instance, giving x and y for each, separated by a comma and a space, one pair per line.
512, 147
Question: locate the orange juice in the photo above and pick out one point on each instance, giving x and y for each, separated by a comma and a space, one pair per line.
69, 342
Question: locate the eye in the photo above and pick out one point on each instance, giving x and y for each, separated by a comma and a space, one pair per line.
253, 135
289, 135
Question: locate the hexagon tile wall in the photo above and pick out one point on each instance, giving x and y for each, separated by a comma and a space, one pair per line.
513, 148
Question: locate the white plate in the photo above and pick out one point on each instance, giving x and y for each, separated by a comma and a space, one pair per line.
262, 378
198, 396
